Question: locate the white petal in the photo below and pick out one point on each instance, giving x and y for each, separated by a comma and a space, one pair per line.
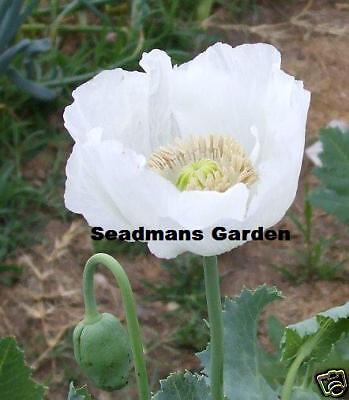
285, 119
274, 193
111, 187
206, 247
224, 90
87, 191
281, 153
162, 124
116, 101
201, 209
131, 107
256, 149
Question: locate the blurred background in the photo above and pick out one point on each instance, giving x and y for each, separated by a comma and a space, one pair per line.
47, 48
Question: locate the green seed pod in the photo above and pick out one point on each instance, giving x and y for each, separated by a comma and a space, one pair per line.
103, 351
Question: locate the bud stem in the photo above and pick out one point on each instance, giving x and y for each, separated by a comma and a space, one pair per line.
92, 314
214, 306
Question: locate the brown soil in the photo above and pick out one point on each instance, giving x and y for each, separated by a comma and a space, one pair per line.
44, 306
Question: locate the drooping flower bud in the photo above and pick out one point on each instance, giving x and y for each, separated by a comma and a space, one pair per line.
103, 351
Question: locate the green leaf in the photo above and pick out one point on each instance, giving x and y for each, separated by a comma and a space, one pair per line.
250, 372
244, 359
10, 22
4, 5
15, 377
204, 9
10, 274
139, 10
35, 89
12, 15
8, 55
304, 394
38, 46
185, 386
275, 331
333, 195
338, 358
316, 336
78, 394
297, 222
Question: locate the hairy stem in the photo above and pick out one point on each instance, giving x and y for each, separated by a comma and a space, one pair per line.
214, 306
130, 312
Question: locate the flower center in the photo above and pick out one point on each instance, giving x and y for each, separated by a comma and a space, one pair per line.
212, 162
197, 173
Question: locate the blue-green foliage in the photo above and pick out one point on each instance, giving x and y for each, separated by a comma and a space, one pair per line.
252, 373
12, 15
16, 382
78, 394
333, 194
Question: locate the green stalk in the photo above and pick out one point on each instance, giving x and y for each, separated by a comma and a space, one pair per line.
47, 10
291, 376
65, 28
84, 77
91, 313
214, 306
304, 351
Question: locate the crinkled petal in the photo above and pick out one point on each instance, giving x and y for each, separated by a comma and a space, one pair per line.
88, 190
163, 126
115, 101
224, 91
109, 184
131, 107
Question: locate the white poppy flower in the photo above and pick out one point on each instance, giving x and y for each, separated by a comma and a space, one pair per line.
217, 141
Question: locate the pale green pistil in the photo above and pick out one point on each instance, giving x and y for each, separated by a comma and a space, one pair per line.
197, 173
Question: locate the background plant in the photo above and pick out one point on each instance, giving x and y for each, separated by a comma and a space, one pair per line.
333, 194
312, 259
185, 291
12, 16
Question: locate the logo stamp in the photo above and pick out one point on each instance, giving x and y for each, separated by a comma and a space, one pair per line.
332, 383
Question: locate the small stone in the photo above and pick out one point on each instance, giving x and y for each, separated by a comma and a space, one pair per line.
111, 37
172, 306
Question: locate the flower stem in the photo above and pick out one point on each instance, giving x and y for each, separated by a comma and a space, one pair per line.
130, 312
214, 306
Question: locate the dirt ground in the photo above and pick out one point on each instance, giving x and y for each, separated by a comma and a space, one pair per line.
44, 306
